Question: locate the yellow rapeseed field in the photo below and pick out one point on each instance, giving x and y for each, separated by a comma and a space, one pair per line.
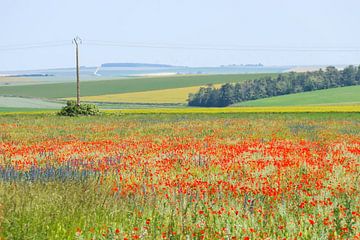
292, 109
189, 110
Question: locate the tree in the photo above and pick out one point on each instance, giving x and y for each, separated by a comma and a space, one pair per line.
238, 92
332, 77
214, 98
358, 75
349, 76
226, 95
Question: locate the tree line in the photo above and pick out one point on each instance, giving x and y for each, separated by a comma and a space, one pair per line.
287, 83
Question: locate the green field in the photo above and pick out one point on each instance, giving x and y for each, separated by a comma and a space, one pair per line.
334, 96
63, 90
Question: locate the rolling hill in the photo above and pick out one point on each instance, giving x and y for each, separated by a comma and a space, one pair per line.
335, 96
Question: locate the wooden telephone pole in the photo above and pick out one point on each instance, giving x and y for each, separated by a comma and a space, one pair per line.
77, 41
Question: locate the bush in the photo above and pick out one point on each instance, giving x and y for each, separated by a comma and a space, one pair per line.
72, 109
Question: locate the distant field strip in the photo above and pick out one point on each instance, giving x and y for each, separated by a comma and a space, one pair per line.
334, 96
95, 88
174, 95
294, 109
16, 81
188, 110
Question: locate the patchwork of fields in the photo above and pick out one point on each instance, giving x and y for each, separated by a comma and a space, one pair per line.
180, 176
173, 95
163, 92
95, 88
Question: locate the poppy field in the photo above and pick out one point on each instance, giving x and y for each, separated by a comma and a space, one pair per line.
180, 176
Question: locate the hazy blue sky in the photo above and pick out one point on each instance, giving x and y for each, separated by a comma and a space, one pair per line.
217, 23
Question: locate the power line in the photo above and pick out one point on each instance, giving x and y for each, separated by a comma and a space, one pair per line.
204, 47
101, 43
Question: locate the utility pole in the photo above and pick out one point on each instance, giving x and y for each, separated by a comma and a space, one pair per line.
77, 41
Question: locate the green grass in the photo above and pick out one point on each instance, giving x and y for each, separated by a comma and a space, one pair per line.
334, 96
94, 88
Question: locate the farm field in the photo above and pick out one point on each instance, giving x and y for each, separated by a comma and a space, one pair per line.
108, 109
291, 109
173, 95
180, 176
334, 96
95, 88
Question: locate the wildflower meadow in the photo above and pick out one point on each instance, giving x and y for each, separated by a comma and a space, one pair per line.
180, 176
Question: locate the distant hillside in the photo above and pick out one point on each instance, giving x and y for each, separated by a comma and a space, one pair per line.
334, 96
136, 65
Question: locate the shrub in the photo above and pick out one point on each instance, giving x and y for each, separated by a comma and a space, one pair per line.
72, 109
